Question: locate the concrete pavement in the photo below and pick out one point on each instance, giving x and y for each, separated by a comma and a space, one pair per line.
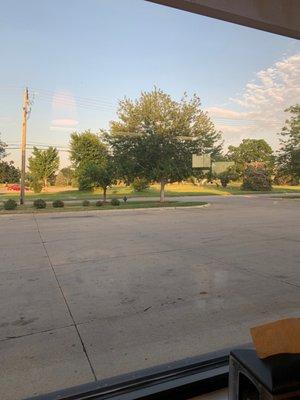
89, 295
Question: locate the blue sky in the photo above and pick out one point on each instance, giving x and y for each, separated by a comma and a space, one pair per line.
91, 53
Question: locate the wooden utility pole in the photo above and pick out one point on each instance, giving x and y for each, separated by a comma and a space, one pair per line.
26, 106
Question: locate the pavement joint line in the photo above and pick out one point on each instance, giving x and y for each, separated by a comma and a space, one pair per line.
144, 253
66, 303
251, 271
121, 256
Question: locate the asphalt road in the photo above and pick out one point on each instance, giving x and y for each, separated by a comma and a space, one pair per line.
90, 295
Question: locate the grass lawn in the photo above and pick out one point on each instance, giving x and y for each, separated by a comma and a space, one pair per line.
182, 189
123, 206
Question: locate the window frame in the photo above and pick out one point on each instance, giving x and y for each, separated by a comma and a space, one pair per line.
185, 378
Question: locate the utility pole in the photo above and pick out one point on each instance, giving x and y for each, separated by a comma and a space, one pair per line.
26, 111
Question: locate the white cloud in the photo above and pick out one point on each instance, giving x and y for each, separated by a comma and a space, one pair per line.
225, 113
262, 104
61, 128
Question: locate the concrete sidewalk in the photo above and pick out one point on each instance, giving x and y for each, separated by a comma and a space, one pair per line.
89, 295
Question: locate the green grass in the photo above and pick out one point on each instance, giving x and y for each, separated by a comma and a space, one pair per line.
123, 206
183, 189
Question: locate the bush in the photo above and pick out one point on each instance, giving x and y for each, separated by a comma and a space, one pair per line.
85, 203
58, 204
10, 204
257, 179
39, 203
224, 178
115, 202
99, 203
140, 184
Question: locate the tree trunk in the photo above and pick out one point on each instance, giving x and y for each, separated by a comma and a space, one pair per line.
45, 182
104, 194
162, 191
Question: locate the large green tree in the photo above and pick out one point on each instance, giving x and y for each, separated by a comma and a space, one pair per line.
251, 151
288, 160
8, 172
2, 148
43, 164
155, 136
87, 147
65, 177
98, 175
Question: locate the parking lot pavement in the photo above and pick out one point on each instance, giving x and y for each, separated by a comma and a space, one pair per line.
89, 295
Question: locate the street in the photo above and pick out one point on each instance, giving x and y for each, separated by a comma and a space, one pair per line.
90, 295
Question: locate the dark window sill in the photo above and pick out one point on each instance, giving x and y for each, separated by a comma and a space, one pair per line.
178, 380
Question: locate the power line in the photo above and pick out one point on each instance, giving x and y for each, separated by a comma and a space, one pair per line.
67, 95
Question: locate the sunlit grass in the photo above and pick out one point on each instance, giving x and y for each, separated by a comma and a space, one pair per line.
29, 209
175, 189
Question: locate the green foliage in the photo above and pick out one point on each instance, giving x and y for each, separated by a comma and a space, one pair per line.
39, 203
251, 151
65, 177
87, 148
10, 204
257, 179
8, 172
229, 175
36, 186
58, 204
2, 149
43, 164
224, 178
140, 184
288, 160
156, 136
86, 203
115, 202
98, 175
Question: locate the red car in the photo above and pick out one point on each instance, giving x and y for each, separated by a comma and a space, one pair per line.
16, 187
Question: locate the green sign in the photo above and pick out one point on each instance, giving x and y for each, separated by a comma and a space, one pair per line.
203, 161
221, 166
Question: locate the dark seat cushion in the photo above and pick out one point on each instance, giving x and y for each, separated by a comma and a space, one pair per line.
279, 374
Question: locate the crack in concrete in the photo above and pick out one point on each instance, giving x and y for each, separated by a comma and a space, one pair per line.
66, 302
35, 333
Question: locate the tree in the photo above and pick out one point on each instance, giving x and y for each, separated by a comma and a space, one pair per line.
86, 147
8, 172
2, 149
256, 178
288, 160
155, 137
98, 175
43, 164
65, 177
251, 151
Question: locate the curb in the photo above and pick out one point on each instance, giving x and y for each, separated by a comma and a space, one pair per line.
105, 211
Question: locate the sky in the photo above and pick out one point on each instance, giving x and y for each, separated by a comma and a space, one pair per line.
78, 58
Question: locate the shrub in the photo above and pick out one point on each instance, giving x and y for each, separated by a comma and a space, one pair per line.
140, 184
58, 204
99, 203
257, 179
224, 178
10, 204
39, 203
85, 203
115, 202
